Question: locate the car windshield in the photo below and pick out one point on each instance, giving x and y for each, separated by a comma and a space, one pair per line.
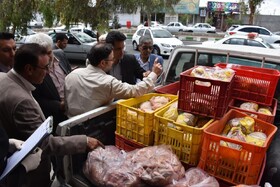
84, 38
161, 34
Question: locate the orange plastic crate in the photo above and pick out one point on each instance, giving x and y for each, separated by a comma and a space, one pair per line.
134, 124
172, 88
126, 144
211, 101
235, 103
186, 143
232, 165
253, 83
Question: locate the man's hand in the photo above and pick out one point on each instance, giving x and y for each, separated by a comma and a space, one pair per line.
145, 74
93, 143
32, 161
157, 68
14, 145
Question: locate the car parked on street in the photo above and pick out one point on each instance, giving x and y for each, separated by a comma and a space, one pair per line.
201, 28
175, 27
164, 41
250, 39
264, 33
88, 31
79, 44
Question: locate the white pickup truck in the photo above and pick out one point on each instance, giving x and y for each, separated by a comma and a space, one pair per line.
101, 122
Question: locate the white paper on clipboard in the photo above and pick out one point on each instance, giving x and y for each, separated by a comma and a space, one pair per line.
32, 142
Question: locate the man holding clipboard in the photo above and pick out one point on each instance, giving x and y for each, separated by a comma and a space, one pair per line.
20, 114
30, 162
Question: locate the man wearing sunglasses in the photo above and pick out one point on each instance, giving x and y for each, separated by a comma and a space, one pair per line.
146, 59
7, 51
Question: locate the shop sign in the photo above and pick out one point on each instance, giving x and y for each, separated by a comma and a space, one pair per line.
187, 7
222, 6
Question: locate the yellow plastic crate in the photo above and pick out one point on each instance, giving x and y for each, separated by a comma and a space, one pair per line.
135, 124
186, 143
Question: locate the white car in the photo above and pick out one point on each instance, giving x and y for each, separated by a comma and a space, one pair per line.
175, 27
201, 27
164, 41
250, 39
245, 29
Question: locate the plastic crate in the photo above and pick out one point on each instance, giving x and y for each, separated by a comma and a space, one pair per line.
253, 83
211, 100
135, 124
172, 88
126, 144
231, 165
235, 103
186, 143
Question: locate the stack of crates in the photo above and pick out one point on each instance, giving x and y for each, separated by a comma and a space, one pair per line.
203, 101
243, 165
135, 126
235, 166
253, 84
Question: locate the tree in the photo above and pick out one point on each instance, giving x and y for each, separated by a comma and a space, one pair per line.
17, 13
253, 6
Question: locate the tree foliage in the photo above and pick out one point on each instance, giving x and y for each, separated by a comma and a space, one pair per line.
253, 7
17, 13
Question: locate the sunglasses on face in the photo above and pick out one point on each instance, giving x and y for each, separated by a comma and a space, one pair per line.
147, 47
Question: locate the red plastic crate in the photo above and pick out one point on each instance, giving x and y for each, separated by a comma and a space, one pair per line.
211, 101
126, 144
253, 83
172, 88
235, 103
242, 166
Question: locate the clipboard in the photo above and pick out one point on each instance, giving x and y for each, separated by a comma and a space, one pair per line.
29, 145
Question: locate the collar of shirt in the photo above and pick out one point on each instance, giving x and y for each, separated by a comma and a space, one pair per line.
26, 83
144, 65
91, 67
54, 62
4, 68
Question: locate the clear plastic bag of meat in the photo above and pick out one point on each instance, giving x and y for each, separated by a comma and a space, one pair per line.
160, 165
99, 161
196, 177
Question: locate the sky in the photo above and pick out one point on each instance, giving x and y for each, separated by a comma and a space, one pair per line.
269, 7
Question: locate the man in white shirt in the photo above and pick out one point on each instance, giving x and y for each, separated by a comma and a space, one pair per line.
91, 87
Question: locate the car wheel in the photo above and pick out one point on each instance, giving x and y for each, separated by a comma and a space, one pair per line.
180, 30
156, 50
135, 46
189, 31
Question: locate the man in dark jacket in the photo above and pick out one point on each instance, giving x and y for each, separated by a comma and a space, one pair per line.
125, 67
7, 51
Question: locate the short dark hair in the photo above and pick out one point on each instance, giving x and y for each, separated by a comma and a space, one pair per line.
114, 36
99, 52
61, 36
6, 36
28, 54
145, 39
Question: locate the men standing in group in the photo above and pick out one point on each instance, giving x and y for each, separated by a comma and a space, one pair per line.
125, 67
7, 51
61, 41
50, 94
20, 114
146, 59
91, 87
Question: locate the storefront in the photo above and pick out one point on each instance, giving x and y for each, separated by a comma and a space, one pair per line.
219, 11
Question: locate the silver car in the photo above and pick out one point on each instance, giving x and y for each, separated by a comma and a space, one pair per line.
79, 44
201, 27
175, 27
